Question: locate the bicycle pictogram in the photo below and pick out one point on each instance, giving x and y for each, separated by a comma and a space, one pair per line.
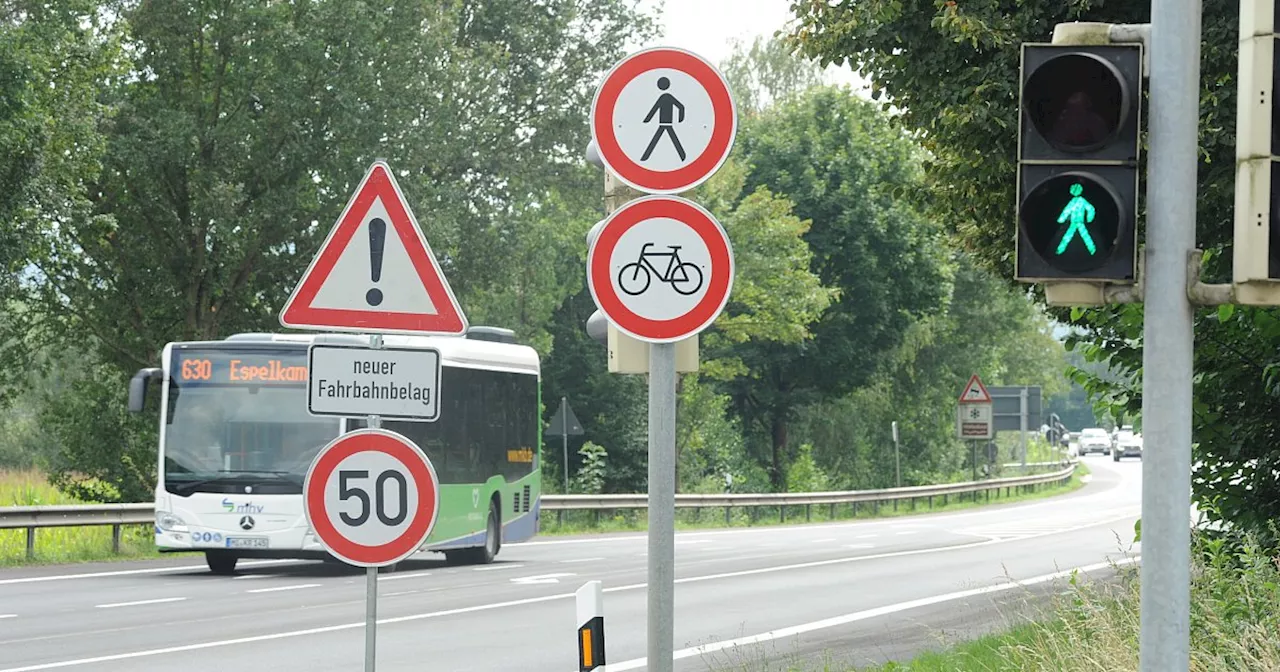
685, 277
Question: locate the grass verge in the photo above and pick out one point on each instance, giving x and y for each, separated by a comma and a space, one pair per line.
1094, 626
582, 522
62, 544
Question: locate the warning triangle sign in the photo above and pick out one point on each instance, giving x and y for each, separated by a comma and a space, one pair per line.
975, 392
375, 272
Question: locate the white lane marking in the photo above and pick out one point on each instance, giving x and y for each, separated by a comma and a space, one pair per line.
822, 541
8, 615
825, 623
397, 577
693, 541
244, 577
542, 578
859, 545
139, 602
128, 572
866, 536
582, 560
494, 568
855, 558
903, 534
295, 586
480, 607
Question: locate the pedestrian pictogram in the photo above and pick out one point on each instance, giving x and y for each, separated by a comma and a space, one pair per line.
1079, 211
660, 269
371, 497
664, 108
375, 272
663, 120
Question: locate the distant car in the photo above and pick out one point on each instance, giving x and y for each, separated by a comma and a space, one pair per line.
1128, 444
1094, 440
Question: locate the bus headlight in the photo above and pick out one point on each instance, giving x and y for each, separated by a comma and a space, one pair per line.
170, 522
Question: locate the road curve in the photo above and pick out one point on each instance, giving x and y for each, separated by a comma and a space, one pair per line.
858, 591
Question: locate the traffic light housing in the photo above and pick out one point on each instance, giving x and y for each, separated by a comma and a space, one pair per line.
1078, 134
1256, 248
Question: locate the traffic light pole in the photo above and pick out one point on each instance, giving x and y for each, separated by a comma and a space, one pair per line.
1167, 336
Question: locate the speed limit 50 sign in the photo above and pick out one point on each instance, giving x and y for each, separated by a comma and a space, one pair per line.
371, 497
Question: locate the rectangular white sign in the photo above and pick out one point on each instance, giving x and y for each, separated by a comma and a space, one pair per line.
974, 421
394, 383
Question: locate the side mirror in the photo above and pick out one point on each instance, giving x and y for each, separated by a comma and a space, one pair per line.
138, 387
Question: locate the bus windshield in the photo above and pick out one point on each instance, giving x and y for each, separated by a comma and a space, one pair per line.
238, 417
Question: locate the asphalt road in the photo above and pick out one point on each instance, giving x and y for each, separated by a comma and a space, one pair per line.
860, 592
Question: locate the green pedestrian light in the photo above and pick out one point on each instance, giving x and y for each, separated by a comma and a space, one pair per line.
1072, 220
1078, 211
1077, 190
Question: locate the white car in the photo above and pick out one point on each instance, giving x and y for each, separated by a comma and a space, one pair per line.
1128, 444
1094, 440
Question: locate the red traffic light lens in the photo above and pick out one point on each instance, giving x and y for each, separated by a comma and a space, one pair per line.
1076, 101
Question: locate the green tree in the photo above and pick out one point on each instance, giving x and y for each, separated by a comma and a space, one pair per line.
987, 328
765, 73
952, 68
843, 165
241, 129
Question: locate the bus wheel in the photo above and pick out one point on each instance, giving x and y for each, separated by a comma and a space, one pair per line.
221, 562
492, 538
480, 555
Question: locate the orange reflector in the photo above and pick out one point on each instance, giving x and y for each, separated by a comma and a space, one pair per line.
587, 661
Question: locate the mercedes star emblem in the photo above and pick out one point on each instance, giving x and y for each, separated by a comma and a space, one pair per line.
246, 523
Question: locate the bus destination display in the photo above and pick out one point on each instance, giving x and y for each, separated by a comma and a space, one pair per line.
206, 367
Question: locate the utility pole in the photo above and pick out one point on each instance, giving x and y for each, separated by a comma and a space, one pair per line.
1168, 336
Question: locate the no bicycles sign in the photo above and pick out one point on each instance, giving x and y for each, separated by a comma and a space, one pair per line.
661, 269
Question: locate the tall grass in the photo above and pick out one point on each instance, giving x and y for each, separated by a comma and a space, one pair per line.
1094, 626
61, 544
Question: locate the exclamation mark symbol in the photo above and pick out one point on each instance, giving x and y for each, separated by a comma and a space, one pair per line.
377, 239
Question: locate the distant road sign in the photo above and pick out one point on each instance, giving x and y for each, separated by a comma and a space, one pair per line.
973, 421
375, 272
394, 383
1007, 406
371, 496
663, 120
975, 392
661, 269
564, 422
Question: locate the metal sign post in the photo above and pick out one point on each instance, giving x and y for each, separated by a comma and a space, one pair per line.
371, 572
1168, 335
897, 464
371, 496
661, 267
566, 424
662, 503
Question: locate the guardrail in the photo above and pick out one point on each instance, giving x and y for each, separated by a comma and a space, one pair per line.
33, 518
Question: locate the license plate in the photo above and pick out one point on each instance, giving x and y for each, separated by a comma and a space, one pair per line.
246, 542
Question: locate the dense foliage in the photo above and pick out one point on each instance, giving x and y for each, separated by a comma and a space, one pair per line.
178, 182
952, 70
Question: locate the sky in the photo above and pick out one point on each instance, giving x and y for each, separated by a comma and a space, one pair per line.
707, 27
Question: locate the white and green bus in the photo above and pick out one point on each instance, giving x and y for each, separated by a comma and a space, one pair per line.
236, 441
